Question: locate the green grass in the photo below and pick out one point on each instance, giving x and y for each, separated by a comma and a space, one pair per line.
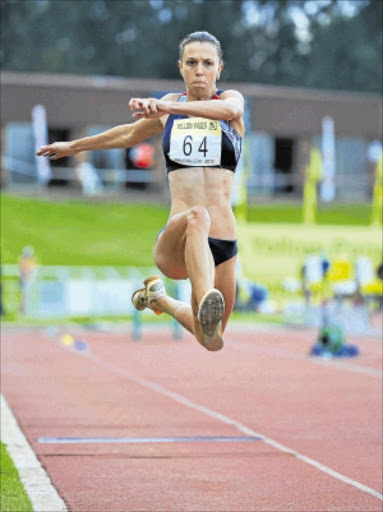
13, 497
80, 232
165, 321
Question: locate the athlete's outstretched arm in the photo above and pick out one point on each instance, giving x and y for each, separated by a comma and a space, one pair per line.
122, 136
230, 106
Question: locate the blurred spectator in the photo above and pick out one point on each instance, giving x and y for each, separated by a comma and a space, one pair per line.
313, 274
142, 155
88, 176
139, 157
379, 271
249, 295
27, 267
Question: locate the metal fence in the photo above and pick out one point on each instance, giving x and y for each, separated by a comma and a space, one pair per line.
79, 291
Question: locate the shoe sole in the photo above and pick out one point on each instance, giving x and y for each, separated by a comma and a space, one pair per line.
210, 314
137, 305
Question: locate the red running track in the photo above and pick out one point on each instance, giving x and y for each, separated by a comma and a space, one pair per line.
321, 422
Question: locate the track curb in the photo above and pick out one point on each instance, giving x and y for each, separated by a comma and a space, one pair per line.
36, 482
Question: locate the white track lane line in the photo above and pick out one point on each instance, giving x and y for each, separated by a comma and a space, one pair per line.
36, 482
229, 421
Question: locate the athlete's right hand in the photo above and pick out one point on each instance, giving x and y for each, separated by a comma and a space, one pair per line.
148, 108
57, 150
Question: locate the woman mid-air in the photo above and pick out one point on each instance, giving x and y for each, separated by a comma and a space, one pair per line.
203, 130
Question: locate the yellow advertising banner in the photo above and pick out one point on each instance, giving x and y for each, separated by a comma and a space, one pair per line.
271, 252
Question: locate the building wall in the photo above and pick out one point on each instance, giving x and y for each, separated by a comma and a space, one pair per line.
80, 100
78, 103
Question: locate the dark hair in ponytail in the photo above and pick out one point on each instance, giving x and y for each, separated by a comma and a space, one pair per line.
201, 37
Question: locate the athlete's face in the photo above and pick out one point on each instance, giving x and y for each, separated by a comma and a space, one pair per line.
200, 68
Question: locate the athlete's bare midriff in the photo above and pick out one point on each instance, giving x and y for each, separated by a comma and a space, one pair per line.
208, 187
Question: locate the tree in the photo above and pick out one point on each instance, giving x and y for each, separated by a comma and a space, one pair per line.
306, 43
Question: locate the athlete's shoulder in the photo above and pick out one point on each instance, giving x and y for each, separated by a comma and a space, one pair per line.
231, 93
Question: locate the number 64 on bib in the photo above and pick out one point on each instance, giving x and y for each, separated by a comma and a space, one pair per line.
196, 142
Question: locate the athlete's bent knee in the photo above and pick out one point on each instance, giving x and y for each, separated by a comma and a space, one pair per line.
198, 218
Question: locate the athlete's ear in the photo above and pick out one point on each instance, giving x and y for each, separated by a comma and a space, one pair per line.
180, 68
219, 71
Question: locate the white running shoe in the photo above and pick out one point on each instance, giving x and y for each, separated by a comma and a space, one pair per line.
154, 289
210, 313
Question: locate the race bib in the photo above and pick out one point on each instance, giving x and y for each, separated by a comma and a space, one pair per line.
196, 142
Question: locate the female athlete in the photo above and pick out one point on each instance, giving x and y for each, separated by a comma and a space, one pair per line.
203, 130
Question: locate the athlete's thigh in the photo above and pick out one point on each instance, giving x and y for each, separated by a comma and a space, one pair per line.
225, 282
169, 250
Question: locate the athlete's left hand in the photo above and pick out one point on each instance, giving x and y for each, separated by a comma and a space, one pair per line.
147, 108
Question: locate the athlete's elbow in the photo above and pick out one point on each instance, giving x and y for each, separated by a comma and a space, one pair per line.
233, 112
127, 140
125, 143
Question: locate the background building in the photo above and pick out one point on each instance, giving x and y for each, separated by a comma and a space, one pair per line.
282, 121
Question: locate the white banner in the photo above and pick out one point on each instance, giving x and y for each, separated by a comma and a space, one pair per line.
40, 132
327, 188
